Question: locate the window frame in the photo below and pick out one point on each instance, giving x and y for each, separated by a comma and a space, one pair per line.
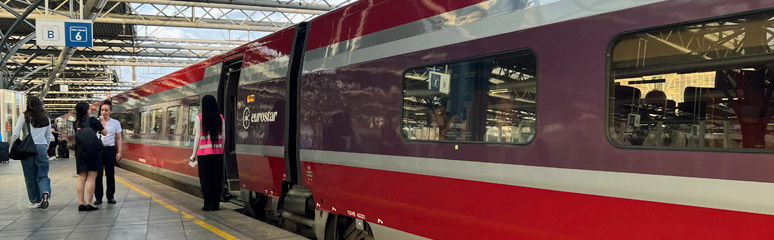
471, 58
610, 83
144, 122
179, 108
151, 120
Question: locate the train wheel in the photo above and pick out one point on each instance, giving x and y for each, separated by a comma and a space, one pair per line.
256, 206
345, 228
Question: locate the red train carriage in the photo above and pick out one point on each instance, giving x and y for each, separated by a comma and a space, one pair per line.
444, 119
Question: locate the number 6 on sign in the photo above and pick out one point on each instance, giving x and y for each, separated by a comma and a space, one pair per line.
76, 33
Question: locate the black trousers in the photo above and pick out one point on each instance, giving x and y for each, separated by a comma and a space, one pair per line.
211, 179
52, 148
109, 165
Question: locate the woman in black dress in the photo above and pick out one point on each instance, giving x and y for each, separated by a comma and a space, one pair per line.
87, 168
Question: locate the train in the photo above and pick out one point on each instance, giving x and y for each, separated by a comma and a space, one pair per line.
487, 119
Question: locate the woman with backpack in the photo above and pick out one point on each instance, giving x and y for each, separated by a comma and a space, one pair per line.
86, 164
208, 148
35, 168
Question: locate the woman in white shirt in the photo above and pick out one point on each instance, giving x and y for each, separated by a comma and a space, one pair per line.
36, 168
110, 156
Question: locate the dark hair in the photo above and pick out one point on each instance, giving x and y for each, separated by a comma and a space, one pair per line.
106, 102
81, 110
211, 118
35, 113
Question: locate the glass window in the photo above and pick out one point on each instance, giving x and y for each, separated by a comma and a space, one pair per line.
193, 111
127, 122
487, 99
706, 85
144, 122
155, 123
172, 114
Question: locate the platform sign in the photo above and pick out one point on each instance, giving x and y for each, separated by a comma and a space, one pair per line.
439, 82
63, 32
78, 34
49, 33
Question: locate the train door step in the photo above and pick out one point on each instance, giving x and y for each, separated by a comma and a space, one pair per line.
236, 198
233, 185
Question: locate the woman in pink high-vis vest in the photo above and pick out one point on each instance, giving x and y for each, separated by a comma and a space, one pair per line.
208, 151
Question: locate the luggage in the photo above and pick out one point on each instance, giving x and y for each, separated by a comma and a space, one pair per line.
62, 151
51, 151
4, 148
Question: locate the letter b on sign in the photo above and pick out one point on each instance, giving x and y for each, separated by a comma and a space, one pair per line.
50, 34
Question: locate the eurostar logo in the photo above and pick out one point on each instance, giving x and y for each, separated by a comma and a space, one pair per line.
246, 118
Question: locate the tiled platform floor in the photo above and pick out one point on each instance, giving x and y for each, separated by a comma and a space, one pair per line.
148, 210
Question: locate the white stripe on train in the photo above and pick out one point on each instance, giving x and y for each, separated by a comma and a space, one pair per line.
754, 197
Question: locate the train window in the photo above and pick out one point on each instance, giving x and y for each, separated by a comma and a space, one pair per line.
143, 122
127, 122
193, 111
172, 115
155, 121
488, 99
702, 86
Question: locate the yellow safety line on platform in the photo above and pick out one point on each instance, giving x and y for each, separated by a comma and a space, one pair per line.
201, 223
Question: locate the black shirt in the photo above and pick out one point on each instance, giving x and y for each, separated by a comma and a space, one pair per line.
93, 123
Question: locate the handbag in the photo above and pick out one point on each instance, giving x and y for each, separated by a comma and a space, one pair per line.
23, 149
87, 145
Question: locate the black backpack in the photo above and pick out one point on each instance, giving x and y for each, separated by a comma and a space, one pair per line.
87, 145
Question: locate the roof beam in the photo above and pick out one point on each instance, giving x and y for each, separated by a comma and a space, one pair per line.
264, 6
120, 62
153, 20
274, 4
102, 51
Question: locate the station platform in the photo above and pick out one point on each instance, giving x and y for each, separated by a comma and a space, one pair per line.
145, 209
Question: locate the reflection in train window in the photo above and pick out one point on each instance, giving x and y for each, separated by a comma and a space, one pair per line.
193, 111
706, 85
172, 114
143, 122
488, 99
155, 123
127, 122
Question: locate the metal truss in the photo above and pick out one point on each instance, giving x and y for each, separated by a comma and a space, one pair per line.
255, 15
109, 61
706, 43
270, 17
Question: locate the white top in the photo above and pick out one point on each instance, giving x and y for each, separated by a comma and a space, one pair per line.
40, 135
112, 127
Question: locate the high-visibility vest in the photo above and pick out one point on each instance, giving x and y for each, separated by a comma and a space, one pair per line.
205, 143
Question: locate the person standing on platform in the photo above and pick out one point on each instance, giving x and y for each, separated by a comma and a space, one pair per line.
35, 168
110, 156
86, 168
208, 151
52, 146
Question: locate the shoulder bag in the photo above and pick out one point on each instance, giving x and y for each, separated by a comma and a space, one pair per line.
87, 145
23, 149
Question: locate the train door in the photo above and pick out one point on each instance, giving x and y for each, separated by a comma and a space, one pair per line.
227, 90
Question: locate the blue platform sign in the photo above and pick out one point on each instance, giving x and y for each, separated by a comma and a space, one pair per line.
78, 34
